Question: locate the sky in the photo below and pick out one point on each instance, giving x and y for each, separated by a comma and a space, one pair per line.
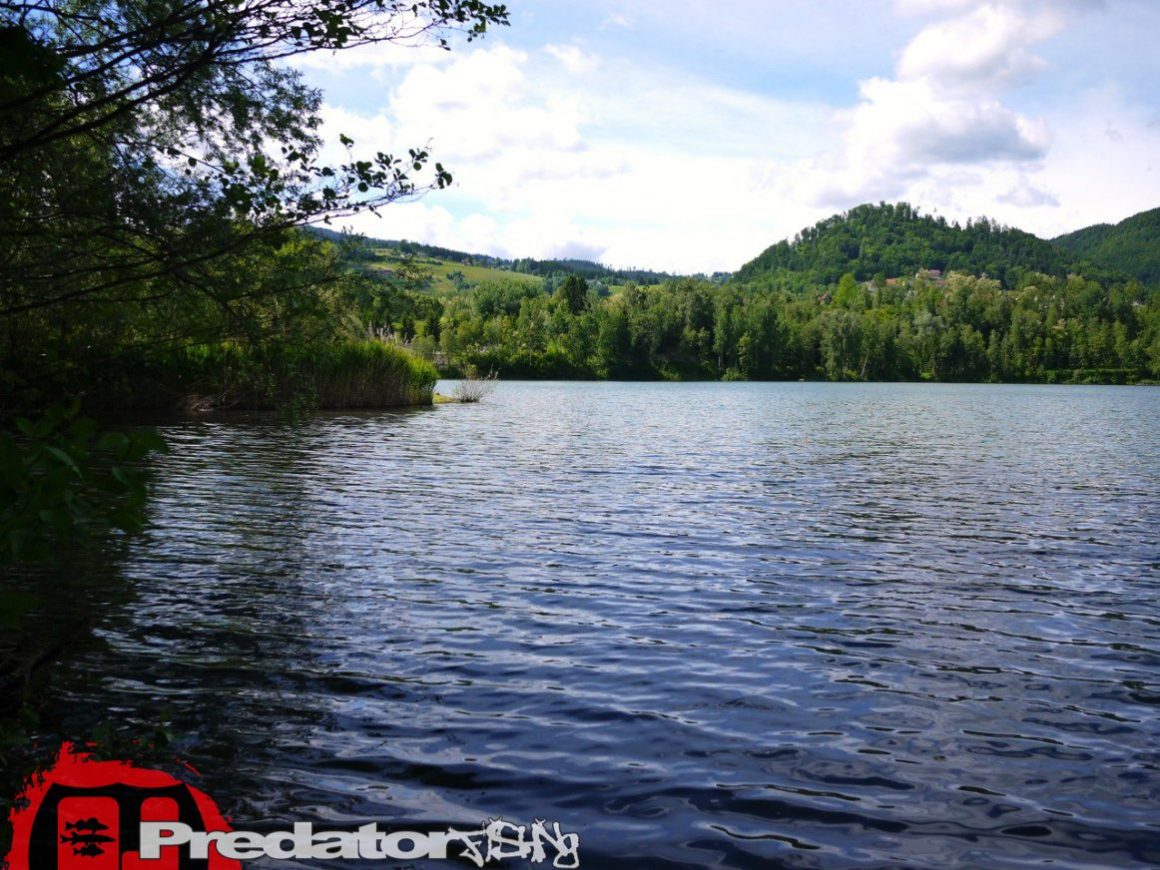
690, 135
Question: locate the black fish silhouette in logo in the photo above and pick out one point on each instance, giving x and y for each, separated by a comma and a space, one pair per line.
91, 824
88, 839
84, 837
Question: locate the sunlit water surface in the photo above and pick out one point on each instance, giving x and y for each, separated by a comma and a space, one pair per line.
737, 625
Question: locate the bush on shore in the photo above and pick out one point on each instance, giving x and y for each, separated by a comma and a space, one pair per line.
277, 376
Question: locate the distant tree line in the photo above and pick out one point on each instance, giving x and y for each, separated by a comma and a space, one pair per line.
589, 271
879, 293
956, 327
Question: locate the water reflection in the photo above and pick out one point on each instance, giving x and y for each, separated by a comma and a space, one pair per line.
820, 625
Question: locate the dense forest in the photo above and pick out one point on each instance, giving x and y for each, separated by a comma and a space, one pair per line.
1132, 246
893, 241
879, 293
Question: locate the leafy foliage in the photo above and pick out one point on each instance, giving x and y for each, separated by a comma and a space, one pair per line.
895, 240
573, 294
1131, 246
138, 190
63, 479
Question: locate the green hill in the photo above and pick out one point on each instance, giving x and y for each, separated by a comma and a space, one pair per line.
888, 240
448, 260
896, 240
1132, 246
446, 275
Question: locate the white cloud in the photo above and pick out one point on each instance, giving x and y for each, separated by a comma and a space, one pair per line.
558, 151
481, 106
903, 126
945, 108
366, 130
990, 47
1026, 196
1103, 164
627, 163
575, 59
415, 221
916, 7
922, 7
1086, 177
618, 19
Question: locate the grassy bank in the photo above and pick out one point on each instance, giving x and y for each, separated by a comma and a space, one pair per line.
232, 375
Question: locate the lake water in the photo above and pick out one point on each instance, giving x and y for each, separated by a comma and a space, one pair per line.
736, 625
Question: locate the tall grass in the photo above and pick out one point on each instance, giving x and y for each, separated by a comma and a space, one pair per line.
222, 375
371, 374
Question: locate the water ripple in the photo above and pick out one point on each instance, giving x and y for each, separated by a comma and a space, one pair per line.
731, 625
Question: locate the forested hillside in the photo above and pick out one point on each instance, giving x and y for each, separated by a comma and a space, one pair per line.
1132, 246
879, 293
895, 240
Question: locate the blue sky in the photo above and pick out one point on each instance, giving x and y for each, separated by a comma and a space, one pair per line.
691, 134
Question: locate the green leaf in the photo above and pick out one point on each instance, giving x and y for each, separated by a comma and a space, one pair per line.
64, 458
113, 442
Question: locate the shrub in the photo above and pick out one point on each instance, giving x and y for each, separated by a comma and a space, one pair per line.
474, 387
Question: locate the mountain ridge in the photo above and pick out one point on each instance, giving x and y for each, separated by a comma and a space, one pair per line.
892, 240
1131, 246
588, 269
887, 240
